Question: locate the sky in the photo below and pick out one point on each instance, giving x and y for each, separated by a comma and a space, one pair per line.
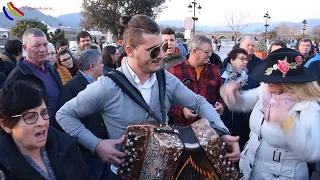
213, 12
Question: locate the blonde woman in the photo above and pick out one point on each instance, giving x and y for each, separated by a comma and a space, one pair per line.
285, 118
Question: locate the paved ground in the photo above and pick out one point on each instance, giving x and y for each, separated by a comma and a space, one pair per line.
223, 54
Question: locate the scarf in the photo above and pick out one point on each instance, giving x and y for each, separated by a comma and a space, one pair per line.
269, 103
238, 75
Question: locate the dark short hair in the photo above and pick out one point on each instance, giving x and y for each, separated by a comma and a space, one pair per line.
234, 53
278, 43
61, 43
124, 20
17, 97
13, 47
106, 58
83, 34
137, 26
168, 31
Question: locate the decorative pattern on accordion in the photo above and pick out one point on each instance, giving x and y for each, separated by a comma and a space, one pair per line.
152, 155
215, 151
157, 156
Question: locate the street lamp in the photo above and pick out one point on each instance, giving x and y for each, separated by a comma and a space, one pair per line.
191, 6
304, 23
267, 20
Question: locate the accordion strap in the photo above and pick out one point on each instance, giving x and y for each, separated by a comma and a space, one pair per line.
123, 82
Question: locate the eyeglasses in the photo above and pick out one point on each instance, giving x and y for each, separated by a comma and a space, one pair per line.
209, 52
155, 51
242, 58
65, 60
32, 117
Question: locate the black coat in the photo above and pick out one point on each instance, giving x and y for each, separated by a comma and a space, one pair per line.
3, 78
64, 155
23, 72
6, 67
93, 122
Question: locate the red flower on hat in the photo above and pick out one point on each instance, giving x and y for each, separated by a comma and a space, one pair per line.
299, 60
283, 66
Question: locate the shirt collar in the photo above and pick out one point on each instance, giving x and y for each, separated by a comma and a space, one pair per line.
136, 79
37, 67
88, 77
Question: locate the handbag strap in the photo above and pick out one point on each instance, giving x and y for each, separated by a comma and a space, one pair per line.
123, 82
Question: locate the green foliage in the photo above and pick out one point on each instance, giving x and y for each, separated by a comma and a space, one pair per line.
105, 14
56, 36
261, 46
21, 26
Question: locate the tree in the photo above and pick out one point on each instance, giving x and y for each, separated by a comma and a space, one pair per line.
294, 31
21, 26
283, 29
316, 30
236, 21
105, 14
58, 35
271, 35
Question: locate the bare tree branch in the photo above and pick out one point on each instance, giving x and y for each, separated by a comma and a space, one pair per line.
236, 21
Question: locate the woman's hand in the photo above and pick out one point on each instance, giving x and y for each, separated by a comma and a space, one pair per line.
279, 114
229, 90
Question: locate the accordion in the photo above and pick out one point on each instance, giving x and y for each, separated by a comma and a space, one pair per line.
194, 152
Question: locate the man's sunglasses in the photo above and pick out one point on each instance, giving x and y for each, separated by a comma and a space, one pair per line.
155, 51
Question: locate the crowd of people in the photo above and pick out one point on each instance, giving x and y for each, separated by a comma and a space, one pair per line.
61, 118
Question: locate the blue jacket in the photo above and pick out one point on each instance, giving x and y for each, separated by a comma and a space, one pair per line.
316, 58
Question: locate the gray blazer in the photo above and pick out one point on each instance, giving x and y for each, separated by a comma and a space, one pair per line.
119, 111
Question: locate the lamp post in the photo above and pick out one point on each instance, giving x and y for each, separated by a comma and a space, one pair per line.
191, 6
267, 20
304, 23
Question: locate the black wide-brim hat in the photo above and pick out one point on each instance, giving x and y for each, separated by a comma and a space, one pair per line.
283, 65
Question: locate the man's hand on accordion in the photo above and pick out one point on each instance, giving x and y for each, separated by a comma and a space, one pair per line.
108, 153
232, 145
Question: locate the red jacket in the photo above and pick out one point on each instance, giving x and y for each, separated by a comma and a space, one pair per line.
207, 86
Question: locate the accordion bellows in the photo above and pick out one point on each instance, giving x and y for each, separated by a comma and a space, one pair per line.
153, 155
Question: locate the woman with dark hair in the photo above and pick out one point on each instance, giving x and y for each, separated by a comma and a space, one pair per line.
30, 149
65, 58
277, 44
110, 56
236, 70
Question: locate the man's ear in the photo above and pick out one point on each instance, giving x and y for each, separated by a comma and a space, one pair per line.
130, 51
91, 66
24, 47
6, 129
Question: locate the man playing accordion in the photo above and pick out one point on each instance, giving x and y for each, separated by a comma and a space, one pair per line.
143, 45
